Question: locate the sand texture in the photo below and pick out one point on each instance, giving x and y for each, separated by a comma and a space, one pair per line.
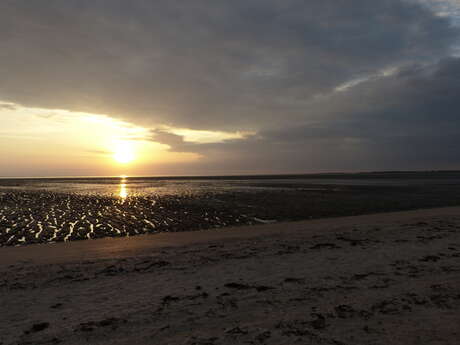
379, 279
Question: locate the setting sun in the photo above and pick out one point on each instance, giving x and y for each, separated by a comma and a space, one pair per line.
124, 153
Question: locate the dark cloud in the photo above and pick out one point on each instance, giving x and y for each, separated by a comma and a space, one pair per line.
206, 65
7, 106
46, 116
99, 152
405, 121
268, 66
170, 139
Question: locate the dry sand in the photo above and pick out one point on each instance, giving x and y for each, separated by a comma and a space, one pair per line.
380, 279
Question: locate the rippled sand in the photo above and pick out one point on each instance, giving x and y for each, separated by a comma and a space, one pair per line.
44, 212
44, 217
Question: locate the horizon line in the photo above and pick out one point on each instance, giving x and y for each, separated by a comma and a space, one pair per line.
232, 175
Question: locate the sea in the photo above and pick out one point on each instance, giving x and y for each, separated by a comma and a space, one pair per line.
125, 186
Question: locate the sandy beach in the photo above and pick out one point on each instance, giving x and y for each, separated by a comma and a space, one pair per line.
389, 278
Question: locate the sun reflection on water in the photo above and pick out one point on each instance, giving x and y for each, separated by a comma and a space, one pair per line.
123, 192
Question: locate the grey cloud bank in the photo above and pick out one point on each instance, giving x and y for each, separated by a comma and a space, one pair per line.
266, 66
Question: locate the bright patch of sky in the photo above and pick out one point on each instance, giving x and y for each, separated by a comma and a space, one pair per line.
207, 137
64, 140
449, 9
356, 81
445, 8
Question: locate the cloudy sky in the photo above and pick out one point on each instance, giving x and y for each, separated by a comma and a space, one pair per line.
108, 87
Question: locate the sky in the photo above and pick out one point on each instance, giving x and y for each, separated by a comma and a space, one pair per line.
170, 87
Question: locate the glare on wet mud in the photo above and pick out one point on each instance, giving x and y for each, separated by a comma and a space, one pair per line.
44, 217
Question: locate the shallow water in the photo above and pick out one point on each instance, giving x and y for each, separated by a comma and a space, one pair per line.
144, 186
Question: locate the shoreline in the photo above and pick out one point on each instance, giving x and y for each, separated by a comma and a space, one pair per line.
249, 176
149, 244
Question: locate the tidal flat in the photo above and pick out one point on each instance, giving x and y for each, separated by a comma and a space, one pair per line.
50, 210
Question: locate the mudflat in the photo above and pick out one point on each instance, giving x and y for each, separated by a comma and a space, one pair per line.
52, 210
389, 278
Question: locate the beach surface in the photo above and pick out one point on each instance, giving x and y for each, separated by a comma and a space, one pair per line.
389, 278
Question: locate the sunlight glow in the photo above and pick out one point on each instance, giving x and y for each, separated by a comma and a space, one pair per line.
207, 137
89, 144
124, 153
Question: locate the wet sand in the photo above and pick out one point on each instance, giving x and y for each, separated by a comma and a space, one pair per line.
42, 216
389, 278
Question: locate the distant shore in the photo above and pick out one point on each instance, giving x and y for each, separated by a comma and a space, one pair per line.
389, 278
331, 175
